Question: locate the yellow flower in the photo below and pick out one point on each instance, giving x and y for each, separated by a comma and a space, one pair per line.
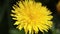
32, 16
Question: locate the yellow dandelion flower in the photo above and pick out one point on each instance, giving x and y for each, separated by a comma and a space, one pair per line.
32, 16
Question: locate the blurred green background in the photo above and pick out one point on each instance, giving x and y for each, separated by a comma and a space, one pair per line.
6, 22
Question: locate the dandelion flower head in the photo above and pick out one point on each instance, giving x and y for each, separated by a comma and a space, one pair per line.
32, 17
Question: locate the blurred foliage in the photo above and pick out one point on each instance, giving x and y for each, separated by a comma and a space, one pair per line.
6, 23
